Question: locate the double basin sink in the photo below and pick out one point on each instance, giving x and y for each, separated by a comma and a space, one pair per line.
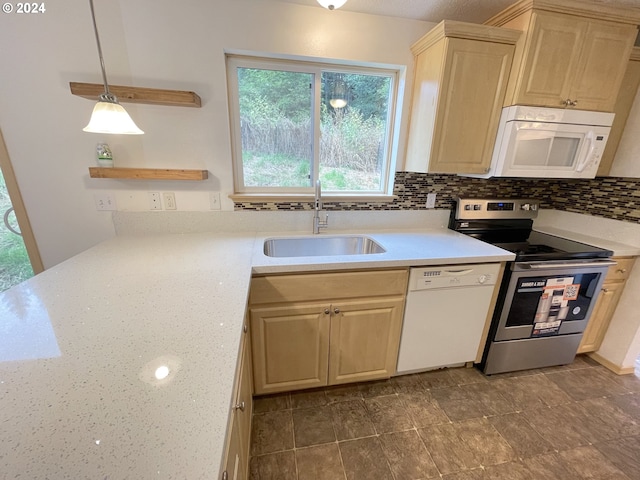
321, 245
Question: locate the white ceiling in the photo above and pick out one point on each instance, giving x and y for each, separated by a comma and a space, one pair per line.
476, 11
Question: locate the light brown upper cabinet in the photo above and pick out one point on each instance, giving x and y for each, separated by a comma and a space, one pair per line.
461, 73
624, 102
571, 54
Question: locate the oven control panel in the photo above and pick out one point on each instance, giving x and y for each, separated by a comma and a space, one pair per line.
478, 208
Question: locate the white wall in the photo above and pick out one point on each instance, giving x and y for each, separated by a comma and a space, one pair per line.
161, 44
626, 162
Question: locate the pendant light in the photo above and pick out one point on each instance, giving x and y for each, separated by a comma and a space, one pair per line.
338, 94
108, 115
332, 4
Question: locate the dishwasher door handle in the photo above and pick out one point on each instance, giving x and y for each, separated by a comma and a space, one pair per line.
459, 272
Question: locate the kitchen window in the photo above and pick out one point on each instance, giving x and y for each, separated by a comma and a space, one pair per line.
296, 122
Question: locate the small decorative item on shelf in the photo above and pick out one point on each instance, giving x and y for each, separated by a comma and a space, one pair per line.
105, 158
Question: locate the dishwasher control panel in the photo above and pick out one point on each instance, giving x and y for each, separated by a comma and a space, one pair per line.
452, 276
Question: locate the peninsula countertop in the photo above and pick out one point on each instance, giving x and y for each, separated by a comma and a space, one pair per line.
81, 344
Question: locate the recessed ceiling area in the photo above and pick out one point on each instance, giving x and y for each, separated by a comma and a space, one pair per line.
475, 11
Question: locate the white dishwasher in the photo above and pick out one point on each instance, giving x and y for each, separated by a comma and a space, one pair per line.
444, 315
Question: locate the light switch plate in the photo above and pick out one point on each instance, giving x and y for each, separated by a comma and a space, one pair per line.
105, 201
431, 200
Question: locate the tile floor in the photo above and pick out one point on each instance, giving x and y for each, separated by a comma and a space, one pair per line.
578, 421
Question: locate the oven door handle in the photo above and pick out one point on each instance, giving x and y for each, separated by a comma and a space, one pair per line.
552, 265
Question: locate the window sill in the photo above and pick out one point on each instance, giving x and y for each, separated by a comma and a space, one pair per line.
302, 197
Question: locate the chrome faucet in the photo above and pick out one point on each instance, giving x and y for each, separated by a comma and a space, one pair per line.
317, 206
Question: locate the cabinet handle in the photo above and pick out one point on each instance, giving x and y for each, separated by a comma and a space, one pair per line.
574, 103
327, 311
225, 475
622, 270
336, 311
605, 290
566, 102
239, 406
245, 328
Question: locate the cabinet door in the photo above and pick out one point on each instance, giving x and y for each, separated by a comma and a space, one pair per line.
290, 346
602, 64
244, 402
601, 316
551, 55
233, 465
365, 336
471, 96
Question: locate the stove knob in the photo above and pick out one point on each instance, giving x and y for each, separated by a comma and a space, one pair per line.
525, 206
482, 279
534, 206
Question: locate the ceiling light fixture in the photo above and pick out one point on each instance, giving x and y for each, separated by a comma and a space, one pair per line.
332, 4
108, 115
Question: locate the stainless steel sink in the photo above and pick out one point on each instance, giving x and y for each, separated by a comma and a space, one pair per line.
321, 246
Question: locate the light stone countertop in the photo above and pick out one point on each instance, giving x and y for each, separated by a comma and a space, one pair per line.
80, 344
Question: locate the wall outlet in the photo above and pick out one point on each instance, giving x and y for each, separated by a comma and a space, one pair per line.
431, 200
214, 200
105, 201
169, 200
154, 201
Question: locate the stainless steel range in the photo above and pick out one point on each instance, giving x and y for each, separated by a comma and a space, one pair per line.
548, 292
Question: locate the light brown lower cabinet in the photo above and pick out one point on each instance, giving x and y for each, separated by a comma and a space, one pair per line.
606, 305
236, 463
353, 335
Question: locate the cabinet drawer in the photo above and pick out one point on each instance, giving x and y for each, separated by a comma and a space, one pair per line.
323, 286
621, 270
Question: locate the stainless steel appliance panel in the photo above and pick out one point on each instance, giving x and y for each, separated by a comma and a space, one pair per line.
525, 296
531, 353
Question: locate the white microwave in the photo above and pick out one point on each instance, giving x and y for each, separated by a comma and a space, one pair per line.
549, 143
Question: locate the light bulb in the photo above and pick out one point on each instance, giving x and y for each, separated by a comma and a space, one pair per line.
332, 4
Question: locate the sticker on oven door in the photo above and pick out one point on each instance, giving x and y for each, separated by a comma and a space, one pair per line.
553, 306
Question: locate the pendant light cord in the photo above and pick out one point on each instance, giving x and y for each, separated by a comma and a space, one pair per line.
107, 94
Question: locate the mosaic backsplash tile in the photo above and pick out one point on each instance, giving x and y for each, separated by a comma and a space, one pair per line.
610, 197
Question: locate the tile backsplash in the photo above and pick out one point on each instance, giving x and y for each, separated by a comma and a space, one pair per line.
609, 197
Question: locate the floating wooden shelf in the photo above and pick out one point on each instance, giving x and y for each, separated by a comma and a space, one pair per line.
148, 96
148, 173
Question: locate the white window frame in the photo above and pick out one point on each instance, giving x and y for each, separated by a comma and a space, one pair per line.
315, 68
